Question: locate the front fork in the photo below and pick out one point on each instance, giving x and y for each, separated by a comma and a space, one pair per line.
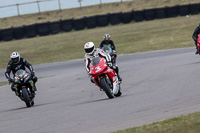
99, 78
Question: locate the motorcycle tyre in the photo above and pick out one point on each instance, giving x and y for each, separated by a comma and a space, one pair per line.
106, 88
26, 97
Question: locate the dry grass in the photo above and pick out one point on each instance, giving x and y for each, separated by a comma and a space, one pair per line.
88, 11
183, 124
134, 37
3, 83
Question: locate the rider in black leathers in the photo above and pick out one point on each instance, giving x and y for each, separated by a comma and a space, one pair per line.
16, 63
109, 43
195, 36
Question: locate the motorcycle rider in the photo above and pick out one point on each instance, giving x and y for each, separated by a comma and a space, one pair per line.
16, 63
195, 36
109, 43
91, 52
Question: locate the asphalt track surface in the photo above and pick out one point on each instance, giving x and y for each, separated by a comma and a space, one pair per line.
156, 86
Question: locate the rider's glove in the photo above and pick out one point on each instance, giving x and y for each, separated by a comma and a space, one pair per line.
10, 80
114, 51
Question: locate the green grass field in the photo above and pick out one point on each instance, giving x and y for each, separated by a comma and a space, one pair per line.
129, 38
183, 124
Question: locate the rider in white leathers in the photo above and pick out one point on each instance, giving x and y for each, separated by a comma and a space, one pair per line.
91, 52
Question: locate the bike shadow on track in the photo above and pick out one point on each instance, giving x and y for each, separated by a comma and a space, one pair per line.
99, 100
20, 108
15, 109
94, 101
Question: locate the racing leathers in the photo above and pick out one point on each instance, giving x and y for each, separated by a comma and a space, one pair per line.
109, 43
15, 67
97, 52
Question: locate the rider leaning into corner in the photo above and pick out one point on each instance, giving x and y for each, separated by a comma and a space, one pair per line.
91, 52
195, 36
109, 43
16, 63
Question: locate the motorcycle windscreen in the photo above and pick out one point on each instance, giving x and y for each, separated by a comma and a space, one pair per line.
107, 50
21, 76
95, 61
20, 73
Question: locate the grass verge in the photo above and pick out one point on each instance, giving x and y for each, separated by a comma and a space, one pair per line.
3, 83
183, 124
129, 38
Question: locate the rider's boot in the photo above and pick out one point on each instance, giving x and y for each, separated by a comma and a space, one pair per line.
120, 79
33, 86
117, 71
33, 89
197, 52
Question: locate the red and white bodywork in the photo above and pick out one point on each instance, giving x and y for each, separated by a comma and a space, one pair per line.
99, 69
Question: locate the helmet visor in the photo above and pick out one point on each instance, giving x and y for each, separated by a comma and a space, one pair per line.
89, 50
15, 60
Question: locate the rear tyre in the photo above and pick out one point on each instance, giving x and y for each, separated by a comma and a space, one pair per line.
26, 97
106, 88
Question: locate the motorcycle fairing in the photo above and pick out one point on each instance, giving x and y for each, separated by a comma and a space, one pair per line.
99, 69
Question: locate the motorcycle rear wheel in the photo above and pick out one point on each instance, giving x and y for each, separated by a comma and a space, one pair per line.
106, 88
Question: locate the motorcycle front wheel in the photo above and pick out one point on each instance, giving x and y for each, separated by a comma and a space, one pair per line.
26, 99
106, 88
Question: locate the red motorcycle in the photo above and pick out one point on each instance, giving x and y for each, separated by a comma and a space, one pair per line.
198, 44
105, 77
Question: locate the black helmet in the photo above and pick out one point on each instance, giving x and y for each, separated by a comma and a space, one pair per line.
15, 57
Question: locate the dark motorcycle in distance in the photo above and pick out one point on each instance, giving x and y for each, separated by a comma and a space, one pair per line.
108, 50
23, 87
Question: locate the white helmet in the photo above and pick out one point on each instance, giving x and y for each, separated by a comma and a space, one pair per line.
89, 47
15, 57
